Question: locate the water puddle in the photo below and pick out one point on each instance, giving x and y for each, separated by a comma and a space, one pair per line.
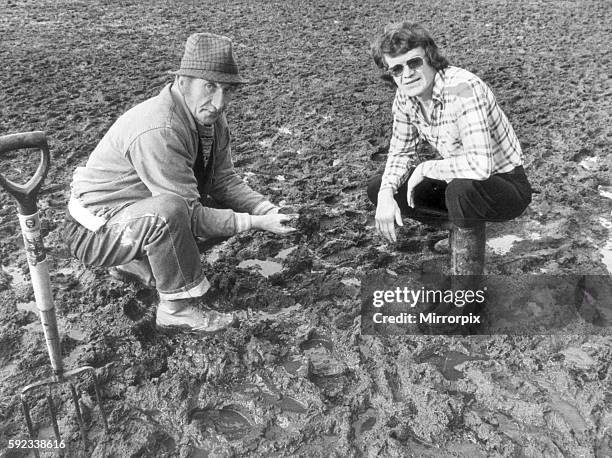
448, 363
606, 250
46, 432
214, 254
284, 312
34, 327
76, 334
503, 244
266, 268
227, 421
65, 271
589, 163
351, 281
606, 253
27, 307
62, 324
8, 370
283, 254
18, 278
605, 191
71, 360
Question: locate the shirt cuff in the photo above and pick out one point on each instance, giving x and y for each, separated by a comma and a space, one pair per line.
263, 208
387, 185
242, 221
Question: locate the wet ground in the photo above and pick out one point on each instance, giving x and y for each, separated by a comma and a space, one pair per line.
297, 377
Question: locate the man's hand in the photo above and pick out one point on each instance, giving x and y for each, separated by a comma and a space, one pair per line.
416, 178
387, 214
276, 223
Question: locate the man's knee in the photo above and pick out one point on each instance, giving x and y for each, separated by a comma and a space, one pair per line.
464, 202
460, 190
171, 208
374, 187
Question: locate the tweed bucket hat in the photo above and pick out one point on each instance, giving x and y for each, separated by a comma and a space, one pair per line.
209, 56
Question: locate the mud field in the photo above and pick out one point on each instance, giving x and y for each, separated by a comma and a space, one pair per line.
297, 377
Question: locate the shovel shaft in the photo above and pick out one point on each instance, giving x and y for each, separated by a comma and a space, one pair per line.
41, 283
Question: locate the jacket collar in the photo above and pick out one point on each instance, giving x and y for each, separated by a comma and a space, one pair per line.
178, 98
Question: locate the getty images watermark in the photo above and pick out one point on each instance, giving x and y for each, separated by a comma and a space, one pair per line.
520, 304
411, 298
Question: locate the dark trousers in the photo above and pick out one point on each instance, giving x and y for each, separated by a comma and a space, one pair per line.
463, 202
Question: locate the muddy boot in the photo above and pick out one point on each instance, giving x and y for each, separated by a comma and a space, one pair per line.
188, 315
137, 271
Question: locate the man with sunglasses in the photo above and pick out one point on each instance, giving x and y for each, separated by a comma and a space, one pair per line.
473, 172
137, 205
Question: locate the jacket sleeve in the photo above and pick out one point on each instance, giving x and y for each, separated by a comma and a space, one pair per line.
227, 187
162, 160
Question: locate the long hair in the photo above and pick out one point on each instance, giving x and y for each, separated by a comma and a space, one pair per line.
400, 38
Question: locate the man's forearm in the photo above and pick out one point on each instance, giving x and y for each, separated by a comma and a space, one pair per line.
207, 222
233, 192
474, 167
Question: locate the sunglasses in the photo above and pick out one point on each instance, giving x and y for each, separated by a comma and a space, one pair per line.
413, 64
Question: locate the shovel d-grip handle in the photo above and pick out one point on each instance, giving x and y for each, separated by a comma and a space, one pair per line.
26, 195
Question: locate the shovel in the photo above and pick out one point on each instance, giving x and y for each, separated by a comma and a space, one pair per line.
26, 195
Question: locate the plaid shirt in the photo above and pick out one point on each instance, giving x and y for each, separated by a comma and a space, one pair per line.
468, 130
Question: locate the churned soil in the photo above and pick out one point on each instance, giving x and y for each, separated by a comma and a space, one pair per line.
296, 377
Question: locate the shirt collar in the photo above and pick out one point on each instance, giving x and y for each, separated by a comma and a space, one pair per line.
438, 87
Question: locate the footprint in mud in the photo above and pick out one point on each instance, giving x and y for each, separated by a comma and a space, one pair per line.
297, 365
228, 421
364, 423
319, 352
326, 370
136, 308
